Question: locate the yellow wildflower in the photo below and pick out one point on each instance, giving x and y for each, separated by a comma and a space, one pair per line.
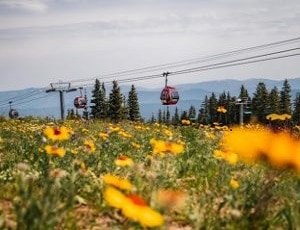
124, 134
150, 218
90, 146
252, 144
117, 182
57, 133
114, 129
185, 122
170, 198
230, 157
104, 136
114, 197
174, 148
168, 132
221, 109
234, 183
74, 151
137, 210
54, 150
136, 145
124, 161
210, 135
158, 146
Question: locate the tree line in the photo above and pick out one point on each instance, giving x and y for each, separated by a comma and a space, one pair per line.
116, 106
223, 109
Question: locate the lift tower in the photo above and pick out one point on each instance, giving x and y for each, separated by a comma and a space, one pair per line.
61, 87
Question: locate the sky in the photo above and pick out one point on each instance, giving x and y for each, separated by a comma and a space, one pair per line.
48, 41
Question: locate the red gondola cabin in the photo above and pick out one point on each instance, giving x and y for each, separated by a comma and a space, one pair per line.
169, 96
80, 102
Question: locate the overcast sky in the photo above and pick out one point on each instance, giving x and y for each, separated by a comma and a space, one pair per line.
43, 41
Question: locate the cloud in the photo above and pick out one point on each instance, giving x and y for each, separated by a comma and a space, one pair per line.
24, 5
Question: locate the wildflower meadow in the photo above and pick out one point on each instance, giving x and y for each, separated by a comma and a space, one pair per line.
81, 174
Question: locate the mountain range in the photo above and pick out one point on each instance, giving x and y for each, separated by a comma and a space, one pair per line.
37, 103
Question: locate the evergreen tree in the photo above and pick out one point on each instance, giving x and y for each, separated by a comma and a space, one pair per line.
243, 93
115, 103
203, 116
274, 99
184, 115
124, 109
168, 116
260, 102
152, 120
133, 105
285, 98
96, 101
192, 113
159, 116
71, 114
103, 102
213, 105
164, 117
232, 111
296, 111
175, 119
222, 117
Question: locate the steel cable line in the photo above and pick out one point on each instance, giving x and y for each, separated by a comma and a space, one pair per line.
200, 69
236, 64
237, 60
23, 96
33, 99
193, 61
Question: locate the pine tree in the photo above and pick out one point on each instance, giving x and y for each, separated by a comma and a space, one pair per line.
168, 116
184, 115
159, 116
260, 102
213, 105
203, 116
243, 93
164, 117
96, 101
285, 98
232, 110
175, 119
222, 117
103, 102
124, 109
152, 120
296, 112
133, 105
115, 103
192, 113
274, 99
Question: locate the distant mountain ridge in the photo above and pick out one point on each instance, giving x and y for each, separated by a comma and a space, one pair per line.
41, 104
